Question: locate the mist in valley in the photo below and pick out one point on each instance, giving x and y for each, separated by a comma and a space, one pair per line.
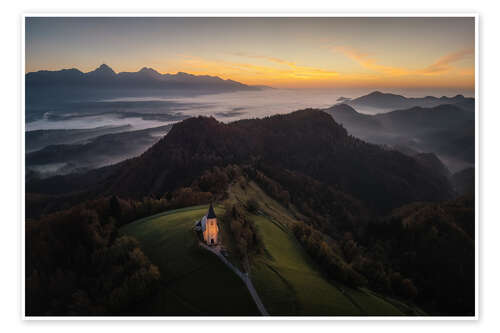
77, 136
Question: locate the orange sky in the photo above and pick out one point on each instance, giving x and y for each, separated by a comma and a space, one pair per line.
279, 52
451, 70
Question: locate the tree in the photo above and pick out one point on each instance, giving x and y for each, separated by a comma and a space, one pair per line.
408, 289
252, 205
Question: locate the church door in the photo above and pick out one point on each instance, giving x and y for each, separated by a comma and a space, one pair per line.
212, 241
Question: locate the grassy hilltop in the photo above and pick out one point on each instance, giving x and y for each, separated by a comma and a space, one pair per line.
195, 282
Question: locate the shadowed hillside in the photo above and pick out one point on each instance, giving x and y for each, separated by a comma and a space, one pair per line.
382, 102
446, 130
308, 142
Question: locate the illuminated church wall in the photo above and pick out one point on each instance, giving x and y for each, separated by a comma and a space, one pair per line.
211, 233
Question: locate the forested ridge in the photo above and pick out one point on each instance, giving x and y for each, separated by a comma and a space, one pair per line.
369, 217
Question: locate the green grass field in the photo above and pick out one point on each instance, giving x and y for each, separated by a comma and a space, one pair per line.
193, 281
299, 283
287, 280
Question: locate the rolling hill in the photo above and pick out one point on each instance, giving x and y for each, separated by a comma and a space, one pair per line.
194, 281
287, 280
446, 130
378, 102
90, 152
308, 142
38, 139
330, 223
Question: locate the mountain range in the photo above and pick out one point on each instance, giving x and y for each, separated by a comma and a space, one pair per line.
72, 84
383, 102
447, 130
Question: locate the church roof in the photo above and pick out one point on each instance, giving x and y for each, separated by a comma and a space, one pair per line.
211, 213
201, 224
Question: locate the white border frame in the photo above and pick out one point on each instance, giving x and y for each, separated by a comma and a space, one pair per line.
246, 14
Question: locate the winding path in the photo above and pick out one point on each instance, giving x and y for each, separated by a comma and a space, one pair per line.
243, 276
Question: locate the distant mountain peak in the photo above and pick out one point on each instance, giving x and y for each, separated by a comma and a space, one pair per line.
378, 93
149, 72
103, 69
104, 82
184, 74
146, 69
342, 107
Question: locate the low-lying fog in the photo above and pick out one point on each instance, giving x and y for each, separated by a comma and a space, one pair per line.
224, 107
83, 135
145, 112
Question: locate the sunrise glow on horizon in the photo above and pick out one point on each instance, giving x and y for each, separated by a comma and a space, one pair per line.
278, 52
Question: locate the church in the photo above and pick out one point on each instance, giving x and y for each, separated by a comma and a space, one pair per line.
208, 227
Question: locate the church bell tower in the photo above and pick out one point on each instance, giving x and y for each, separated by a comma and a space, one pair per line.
211, 233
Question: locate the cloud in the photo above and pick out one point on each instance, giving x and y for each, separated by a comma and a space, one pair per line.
442, 65
278, 72
270, 59
295, 70
285, 70
364, 60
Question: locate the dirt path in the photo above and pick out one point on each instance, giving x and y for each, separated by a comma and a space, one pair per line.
244, 276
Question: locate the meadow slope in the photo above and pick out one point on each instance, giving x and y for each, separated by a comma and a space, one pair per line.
196, 282
193, 281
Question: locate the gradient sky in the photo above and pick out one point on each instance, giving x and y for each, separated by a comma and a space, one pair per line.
280, 52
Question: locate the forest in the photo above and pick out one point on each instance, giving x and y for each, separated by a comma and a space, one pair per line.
397, 227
